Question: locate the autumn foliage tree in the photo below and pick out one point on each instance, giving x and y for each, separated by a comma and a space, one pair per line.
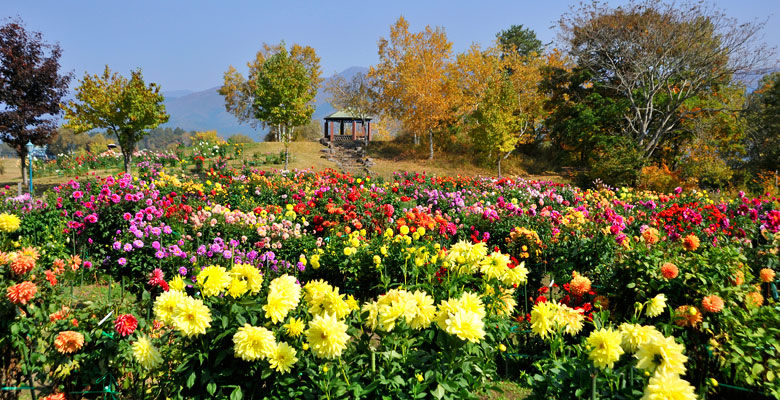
31, 88
412, 79
125, 108
499, 98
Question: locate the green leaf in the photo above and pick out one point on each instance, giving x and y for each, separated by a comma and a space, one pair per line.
211, 388
237, 394
438, 392
191, 379
757, 369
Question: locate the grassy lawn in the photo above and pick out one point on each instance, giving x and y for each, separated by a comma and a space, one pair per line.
507, 391
388, 157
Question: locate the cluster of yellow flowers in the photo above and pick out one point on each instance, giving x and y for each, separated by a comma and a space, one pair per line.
573, 218
416, 309
284, 294
468, 258
186, 314
655, 353
253, 343
549, 317
241, 279
323, 298
462, 317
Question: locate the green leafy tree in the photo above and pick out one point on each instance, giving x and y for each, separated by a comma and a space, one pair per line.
125, 108
763, 139
520, 40
283, 96
239, 92
496, 121
656, 56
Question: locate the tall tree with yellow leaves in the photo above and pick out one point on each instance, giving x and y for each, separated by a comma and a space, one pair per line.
412, 79
500, 102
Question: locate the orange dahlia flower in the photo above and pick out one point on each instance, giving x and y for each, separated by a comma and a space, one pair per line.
68, 342
767, 275
691, 242
687, 316
21, 293
669, 270
579, 284
754, 299
712, 303
22, 264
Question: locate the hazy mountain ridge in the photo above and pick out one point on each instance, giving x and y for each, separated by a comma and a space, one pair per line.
205, 110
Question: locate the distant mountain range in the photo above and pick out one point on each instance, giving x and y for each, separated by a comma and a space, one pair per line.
205, 110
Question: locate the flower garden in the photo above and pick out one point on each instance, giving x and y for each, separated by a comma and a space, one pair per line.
253, 284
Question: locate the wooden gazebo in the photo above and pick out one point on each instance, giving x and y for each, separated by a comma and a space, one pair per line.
343, 125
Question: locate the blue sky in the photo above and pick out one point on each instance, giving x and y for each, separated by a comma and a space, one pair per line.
189, 44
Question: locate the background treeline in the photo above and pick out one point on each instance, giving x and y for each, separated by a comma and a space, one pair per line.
648, 94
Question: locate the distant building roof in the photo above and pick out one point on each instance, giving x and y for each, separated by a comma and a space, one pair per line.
345, 114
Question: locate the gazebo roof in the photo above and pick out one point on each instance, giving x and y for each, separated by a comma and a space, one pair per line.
345, 114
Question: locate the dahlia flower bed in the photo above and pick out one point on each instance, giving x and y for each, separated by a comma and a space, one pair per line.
250, 284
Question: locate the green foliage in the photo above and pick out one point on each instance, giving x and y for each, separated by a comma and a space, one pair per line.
283, 94
618, 162
518, 39
763, 140
496, 122
124, 108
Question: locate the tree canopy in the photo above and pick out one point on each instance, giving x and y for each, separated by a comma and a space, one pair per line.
656, 56
411, 78
31, 88
284, 91
125, 108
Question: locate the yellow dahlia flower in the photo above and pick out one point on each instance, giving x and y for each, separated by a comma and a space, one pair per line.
146, 354
249, 274
237, 288
9, 223
661, 355
327, 336
426, 311
542, 315
466, 325
283, 296
191, 317
294, 327
472, 302
668, 386
515, 276
495, 265
253, 342
373, 312
605, 347
213, 280
635, 335
282, 357
656, 305
177, 284
165, 305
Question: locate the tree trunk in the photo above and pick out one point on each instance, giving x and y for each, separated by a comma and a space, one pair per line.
430, 145
128, 158
23, 159
499, 167
285, 141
